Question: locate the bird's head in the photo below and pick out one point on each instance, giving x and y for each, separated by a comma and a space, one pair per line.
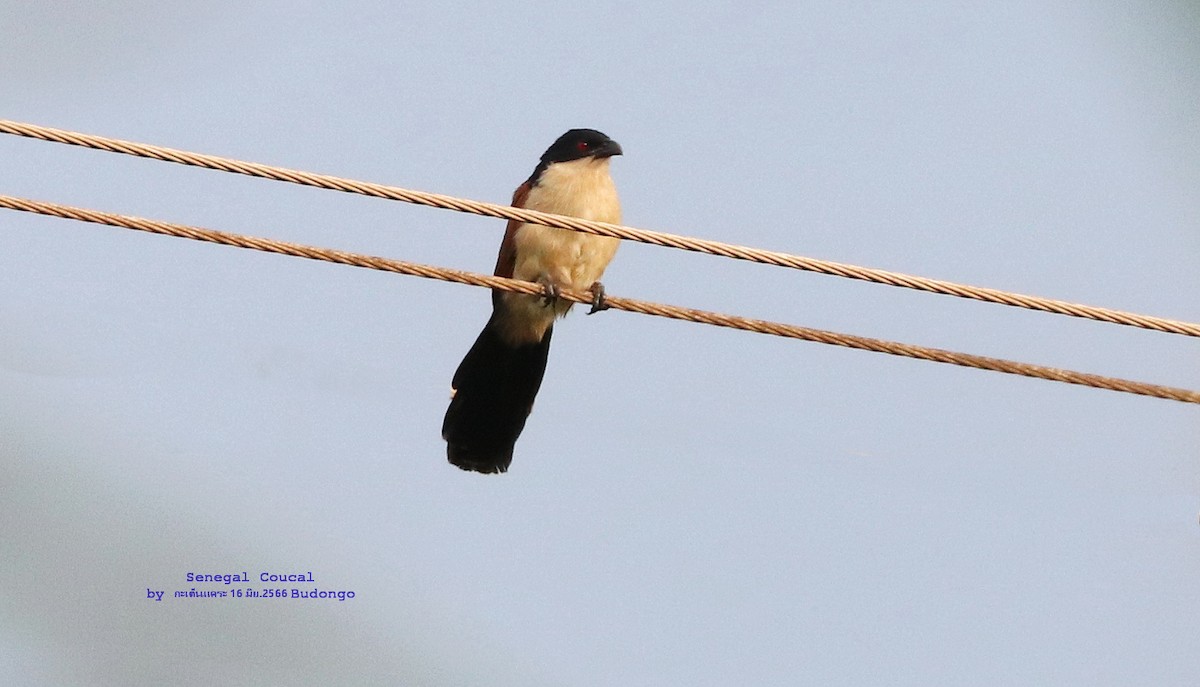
580, 143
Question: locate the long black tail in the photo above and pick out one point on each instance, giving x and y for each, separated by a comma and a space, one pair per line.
494, 389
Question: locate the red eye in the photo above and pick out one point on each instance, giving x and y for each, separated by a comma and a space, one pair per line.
582, 146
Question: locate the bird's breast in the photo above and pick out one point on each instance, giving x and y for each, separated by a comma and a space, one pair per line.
569, 259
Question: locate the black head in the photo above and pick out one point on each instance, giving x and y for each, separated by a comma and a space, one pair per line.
581, 143
576, 144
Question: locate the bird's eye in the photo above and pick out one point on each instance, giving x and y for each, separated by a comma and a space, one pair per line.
582, 146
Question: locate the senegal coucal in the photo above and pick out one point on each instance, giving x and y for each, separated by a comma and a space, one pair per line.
494, 386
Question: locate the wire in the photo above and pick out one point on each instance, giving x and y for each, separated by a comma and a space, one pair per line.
604, 229
627, 304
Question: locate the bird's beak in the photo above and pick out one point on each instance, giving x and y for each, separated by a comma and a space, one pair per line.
609, 149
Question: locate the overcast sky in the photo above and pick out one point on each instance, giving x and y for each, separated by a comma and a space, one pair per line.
687, 505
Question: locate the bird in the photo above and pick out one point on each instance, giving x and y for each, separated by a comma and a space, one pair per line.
493, 388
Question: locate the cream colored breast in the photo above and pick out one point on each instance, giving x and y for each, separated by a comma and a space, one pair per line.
580, 188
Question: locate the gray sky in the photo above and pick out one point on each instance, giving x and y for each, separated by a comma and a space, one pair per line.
687, 505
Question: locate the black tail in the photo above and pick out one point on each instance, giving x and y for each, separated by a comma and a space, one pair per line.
494, 389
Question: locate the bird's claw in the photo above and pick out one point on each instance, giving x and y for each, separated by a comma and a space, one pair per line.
598, 302
550, 293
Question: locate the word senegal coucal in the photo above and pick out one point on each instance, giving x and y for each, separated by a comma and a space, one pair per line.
495, 384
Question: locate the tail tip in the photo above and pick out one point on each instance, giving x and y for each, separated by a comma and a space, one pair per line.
471, 460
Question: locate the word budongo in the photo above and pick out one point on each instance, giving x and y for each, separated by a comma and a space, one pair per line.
321, 594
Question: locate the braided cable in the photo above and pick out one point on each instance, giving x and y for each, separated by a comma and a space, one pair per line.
604, 229
626, 304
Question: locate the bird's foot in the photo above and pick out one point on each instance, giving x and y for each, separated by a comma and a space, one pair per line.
550, 292
598, 302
